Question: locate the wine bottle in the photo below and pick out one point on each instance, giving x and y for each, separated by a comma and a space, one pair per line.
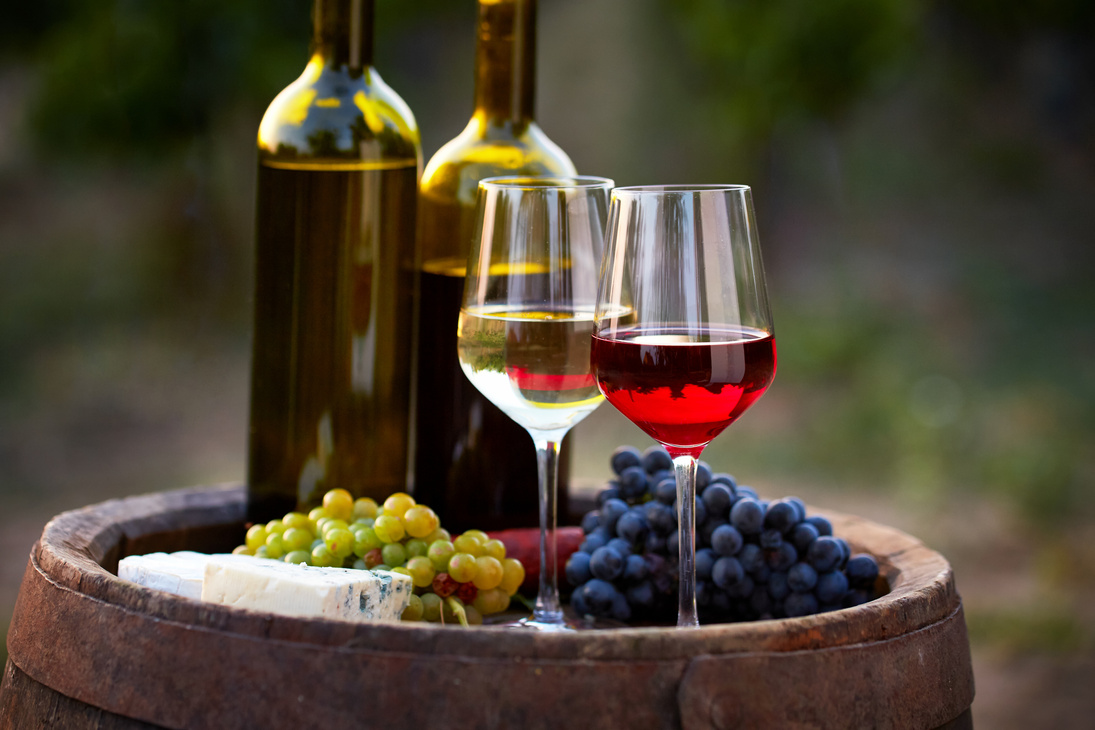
473, 464
338, 164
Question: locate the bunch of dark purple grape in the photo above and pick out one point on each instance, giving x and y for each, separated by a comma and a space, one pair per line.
755, 559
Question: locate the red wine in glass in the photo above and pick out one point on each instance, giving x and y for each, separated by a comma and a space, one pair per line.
683, 340
683, 386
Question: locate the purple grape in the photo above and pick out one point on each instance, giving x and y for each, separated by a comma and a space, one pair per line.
624, 457
657, 458
718, 498
802, 578
824, 527
862, 571
577, 569
747, 516
726, 540
726, 572
782, 558
831, 586
824, 554
781, 516
803, 534
778, 586
799, 604
606, 564
634, 568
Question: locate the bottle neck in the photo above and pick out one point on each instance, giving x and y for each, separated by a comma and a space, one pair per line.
505, 61
342, 33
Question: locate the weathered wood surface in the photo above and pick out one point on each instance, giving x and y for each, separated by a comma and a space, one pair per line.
901, 661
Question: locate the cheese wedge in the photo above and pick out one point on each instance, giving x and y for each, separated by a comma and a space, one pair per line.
180, 573
303, 590
272, 585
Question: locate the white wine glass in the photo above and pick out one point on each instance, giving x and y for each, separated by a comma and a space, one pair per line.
683, 341
526, 322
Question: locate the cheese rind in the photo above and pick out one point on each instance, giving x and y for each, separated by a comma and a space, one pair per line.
180, 573
302, 590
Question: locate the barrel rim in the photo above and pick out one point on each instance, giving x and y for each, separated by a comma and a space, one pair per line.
75, 544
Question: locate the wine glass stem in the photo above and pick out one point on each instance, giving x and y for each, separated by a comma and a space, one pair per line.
547, 609
685, 466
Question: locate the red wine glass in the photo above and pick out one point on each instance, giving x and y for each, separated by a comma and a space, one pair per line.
683, 341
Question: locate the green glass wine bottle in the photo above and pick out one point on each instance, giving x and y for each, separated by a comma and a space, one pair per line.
472, 464
339, 160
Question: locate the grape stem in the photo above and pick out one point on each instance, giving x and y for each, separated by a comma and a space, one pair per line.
458, 611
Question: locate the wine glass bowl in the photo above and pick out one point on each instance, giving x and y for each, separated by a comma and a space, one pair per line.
524, 334
683, 341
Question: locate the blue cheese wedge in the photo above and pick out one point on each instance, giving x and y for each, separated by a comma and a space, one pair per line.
180, 573
303, 590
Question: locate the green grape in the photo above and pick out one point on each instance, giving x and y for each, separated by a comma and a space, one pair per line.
415, 547
242, 550
439, 553
513, 575
339, 541
365, 540
275, 526
495, 549
365, 508
260, 552
324, 558
339, 504
274, 547
439, 534
388, 528
372, 558
431, 606
422, 571
296, 557
317, 542
317, 514
420, 521
468, 544
256, 537
359, 564
493, 601
296, 538
397, 504
322, 523
474, 617
479, 535
333, 524
462, 567
296, 519
363, 522
402, 570
393, 554
382, 566
488, 573
414, 609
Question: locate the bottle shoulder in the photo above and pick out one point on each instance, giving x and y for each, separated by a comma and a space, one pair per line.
331, 114
480, 151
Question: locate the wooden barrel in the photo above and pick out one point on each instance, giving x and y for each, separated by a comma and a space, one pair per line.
88, 650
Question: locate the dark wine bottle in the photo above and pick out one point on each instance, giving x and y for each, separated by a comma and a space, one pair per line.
472, 464
339, 159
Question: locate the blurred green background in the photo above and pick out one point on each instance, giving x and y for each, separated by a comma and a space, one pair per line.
924, 175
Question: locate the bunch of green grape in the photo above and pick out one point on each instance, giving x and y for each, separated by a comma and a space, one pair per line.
456, 580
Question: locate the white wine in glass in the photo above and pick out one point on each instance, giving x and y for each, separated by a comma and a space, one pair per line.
526, 325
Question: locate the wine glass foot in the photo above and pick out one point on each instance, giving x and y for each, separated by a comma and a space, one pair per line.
570, 622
